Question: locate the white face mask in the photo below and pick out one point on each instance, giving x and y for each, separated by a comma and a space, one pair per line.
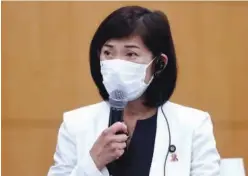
126, 76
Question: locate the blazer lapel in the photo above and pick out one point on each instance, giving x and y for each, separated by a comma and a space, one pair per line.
97, 127
103, 123
178, 162
160, 147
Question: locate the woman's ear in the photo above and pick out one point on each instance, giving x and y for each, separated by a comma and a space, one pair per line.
165, 58
160, 63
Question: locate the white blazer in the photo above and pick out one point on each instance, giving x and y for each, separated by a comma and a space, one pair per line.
191, 133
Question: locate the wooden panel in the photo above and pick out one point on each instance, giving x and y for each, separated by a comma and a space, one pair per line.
45, 57
27, 151
45, 71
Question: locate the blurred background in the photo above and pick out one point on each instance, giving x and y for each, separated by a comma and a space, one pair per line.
45, 72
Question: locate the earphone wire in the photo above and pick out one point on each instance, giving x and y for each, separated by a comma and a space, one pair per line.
169, 132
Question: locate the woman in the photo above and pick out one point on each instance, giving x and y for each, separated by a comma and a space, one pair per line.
133, 49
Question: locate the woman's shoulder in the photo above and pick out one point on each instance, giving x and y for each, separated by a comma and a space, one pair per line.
83, 116
186, 115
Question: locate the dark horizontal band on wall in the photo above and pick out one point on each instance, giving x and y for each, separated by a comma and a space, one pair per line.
55, 123
31, 123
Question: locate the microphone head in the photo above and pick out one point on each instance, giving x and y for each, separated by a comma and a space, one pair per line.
118, 99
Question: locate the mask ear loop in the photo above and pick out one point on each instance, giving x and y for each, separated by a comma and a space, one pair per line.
148, 66
150, 62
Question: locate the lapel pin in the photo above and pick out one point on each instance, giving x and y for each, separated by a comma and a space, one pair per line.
174, 157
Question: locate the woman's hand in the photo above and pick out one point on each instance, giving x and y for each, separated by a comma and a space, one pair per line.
109, 146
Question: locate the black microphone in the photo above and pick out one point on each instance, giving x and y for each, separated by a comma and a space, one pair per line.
117, 101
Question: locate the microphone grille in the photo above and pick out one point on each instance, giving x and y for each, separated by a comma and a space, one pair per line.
118, 99
118, 94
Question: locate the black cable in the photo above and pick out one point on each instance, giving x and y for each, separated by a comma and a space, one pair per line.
168, 127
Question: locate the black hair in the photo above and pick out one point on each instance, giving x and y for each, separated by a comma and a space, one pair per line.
154, 29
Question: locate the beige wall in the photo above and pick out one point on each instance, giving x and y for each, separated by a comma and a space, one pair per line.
45, 72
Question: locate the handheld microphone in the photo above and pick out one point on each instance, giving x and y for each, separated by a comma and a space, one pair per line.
117, 101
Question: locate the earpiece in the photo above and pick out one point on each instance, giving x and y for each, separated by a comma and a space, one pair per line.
160, 63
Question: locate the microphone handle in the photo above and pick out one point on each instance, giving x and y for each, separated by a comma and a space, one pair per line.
116, 115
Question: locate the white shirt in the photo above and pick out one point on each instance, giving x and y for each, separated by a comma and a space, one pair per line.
191, 133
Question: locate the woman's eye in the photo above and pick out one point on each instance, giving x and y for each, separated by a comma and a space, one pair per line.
132, 54
107, 53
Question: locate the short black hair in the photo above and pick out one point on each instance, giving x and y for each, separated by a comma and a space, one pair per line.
154, 29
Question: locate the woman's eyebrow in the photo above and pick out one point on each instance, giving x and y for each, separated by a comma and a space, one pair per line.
108, 45
132, 46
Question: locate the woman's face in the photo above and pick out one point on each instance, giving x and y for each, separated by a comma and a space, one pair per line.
130, 49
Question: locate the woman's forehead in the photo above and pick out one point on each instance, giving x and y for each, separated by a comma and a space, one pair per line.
129, 42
